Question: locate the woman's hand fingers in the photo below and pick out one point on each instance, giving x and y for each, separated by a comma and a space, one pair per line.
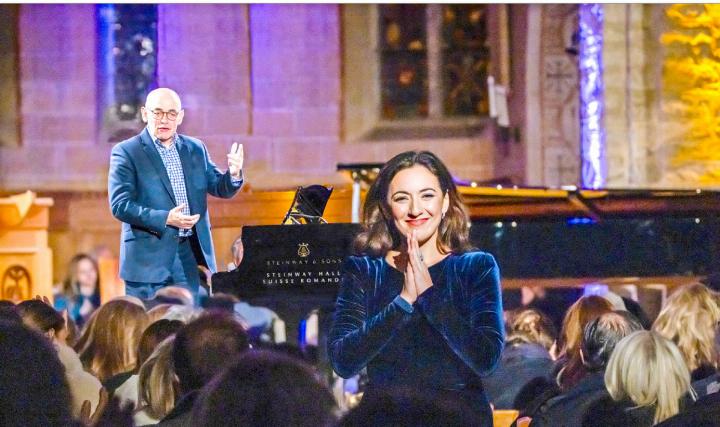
421, 274
416, 248
410, 286
409, 291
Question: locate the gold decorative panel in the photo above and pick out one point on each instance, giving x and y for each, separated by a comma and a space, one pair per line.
691, 84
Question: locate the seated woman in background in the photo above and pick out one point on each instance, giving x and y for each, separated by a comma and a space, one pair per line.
525, 357
648, 383
80, 293
600, 337
690, 319
570, 369
108, 346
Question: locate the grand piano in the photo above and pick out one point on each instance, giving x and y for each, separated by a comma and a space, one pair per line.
568, 239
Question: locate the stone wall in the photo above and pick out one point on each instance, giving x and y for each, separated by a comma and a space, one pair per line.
269, 76
58, 147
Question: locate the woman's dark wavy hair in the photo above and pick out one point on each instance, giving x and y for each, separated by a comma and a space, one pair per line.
380, 234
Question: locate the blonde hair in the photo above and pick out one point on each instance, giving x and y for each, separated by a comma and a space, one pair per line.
649, 370
156, 381
532, 326
690, 319
109, 344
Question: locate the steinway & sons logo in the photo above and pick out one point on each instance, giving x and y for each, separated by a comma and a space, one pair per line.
303, 250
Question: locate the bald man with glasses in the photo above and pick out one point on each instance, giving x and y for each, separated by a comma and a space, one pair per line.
157, 187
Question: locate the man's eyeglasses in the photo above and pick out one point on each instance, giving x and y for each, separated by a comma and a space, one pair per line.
171, 115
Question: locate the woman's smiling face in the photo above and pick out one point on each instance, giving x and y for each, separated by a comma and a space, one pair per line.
417, 203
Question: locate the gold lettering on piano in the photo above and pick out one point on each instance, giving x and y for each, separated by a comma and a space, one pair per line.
274, 278
284, 262
293, 271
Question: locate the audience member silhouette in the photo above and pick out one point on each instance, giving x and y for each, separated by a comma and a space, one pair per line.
525, 357
403, 407
266, 389
600, 337
33, 388
201, 350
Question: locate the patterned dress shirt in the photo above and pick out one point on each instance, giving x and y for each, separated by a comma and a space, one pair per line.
171, 160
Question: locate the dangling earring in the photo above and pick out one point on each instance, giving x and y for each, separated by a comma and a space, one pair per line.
442, 217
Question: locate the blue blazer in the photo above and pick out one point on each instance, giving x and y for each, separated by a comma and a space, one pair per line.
141, 196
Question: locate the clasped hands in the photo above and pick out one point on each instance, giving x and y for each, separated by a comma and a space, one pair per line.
417, 275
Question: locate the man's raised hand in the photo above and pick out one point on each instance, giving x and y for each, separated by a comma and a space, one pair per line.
177, 219
235, 159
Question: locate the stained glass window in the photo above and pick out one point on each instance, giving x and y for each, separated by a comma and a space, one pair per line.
408, 34
127, 65
466, 57
403, 50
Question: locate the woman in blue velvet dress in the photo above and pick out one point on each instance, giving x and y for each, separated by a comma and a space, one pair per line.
418, 308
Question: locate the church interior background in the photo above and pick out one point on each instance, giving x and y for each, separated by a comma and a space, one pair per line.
593, 96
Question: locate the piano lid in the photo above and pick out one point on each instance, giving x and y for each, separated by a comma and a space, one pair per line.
497, 203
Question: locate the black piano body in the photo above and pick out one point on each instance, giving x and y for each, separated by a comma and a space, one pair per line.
292, 270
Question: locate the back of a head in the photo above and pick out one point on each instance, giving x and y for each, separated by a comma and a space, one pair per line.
8, 312
183, 313
221, 301
649, 370
40, 316
153, 335
204, 346
582, 312
174, 295
578, 315
602, 335
266, 389
33, 388
402, 407
156, 388
690, 318
532, 326
110, 342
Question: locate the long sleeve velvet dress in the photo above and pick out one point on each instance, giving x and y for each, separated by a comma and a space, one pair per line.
443, 343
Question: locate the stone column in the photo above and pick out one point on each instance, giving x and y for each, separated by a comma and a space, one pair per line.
629, 95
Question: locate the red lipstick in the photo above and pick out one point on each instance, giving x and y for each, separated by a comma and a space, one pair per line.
417, 222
